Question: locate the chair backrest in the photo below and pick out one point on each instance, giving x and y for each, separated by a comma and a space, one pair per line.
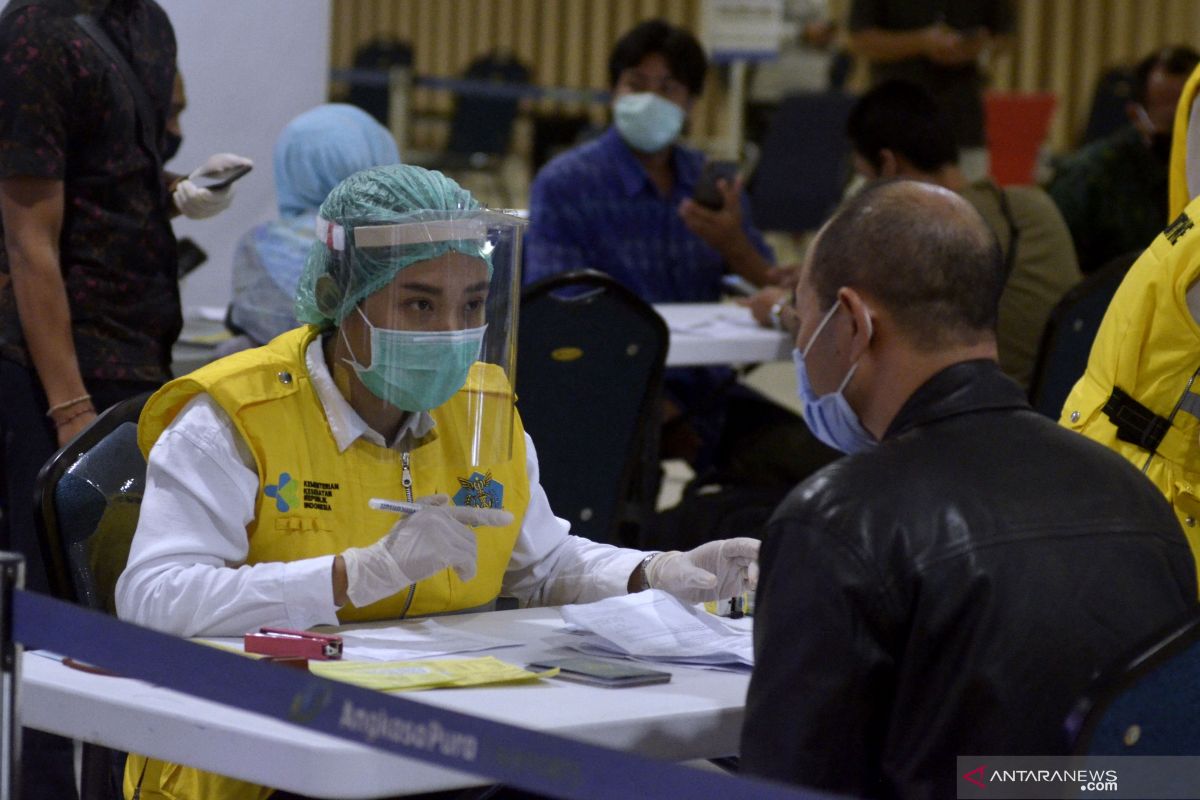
590, 358
480, 124
805, 162
1070, 330
378, 54
88, 496
1017, 124
1146, 706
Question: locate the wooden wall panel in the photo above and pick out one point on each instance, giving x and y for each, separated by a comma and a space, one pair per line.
1059, 45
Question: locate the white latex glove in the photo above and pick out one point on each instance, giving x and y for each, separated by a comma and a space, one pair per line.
197, 203
416, 547
712, 571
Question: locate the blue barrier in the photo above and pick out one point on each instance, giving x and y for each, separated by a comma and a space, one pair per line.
465, 86
534, 761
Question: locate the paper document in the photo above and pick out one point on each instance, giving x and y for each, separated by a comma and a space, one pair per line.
392, 676
656, 626
424, 638
713, 322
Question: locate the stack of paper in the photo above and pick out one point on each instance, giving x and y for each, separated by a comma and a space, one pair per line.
424, 638
656, 626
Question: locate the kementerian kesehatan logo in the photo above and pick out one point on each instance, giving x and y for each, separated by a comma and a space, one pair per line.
284, 492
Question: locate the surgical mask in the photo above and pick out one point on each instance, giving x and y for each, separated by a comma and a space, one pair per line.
830, 417
417, 370
647, 122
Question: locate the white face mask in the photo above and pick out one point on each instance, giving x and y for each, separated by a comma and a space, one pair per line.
829, 416
647, 122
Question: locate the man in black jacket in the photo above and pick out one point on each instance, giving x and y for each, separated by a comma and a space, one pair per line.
952, 586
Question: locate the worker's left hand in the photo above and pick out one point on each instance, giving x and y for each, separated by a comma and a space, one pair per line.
712, 571
195, 202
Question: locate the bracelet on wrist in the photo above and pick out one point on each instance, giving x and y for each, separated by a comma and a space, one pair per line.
58, 423
83, 398
639, 573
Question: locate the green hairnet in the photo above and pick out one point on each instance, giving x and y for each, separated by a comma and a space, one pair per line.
335, 281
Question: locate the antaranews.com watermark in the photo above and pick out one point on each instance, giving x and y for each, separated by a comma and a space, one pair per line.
1046, 777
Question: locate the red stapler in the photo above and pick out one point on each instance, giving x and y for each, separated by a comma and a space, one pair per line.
287, 643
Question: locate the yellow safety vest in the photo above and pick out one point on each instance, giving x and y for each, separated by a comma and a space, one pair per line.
1148, 350
1148, 347
312, 499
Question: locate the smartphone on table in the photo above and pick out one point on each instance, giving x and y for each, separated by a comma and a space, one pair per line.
598, 672
707, 193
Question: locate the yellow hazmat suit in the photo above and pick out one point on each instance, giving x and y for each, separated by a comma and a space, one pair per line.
1140, 395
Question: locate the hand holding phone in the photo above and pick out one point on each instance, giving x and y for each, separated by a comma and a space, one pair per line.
707, 193
206, 190
215, 181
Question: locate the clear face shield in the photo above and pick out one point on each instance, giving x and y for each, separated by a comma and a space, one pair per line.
427, 309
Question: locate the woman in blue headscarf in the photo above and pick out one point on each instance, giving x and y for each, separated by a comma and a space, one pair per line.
313, 154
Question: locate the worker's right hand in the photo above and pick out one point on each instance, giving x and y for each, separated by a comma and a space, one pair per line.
420, 545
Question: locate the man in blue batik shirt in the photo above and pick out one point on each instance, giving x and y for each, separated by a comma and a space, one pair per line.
621, 204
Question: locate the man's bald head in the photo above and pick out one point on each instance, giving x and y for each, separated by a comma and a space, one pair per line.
921, 251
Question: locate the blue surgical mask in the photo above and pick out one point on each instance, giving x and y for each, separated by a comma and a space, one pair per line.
417, 370
829, 416
647, 122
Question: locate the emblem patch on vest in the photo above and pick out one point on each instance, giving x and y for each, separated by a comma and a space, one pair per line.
284, 492
480, 491
319, 495
1175, 231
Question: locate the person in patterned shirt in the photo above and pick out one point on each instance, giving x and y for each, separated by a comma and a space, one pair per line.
89, 296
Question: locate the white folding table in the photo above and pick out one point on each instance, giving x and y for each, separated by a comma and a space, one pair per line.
697, 715
720, 333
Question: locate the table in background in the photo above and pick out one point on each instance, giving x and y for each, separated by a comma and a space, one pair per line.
697, 715
720, 333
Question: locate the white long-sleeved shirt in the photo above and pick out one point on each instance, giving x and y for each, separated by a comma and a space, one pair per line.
186, 572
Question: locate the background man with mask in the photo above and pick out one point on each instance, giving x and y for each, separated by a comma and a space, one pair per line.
621, 204
950, 587
1113, 193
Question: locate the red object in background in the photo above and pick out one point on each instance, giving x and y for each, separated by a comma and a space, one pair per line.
1017, 124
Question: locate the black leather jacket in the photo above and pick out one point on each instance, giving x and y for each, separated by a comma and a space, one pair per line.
951, 592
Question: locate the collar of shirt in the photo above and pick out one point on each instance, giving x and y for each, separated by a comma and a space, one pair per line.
344, 422
633, 177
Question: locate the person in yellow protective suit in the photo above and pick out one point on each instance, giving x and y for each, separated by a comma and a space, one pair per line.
261, 466
1140, 394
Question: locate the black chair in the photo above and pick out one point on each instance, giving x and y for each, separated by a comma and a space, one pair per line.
87, 500
382, 55
1070, 330
481, 125
805, 162
1146, 706
590, 358
88, 496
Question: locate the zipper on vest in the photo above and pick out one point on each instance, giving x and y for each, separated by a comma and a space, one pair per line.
406, 482
406, 477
